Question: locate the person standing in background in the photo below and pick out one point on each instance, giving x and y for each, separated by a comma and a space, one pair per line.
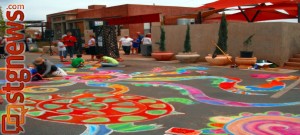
140, 37
92, 47
2, 45
135, 46
147, 39
61, 49
70, 41
126, 42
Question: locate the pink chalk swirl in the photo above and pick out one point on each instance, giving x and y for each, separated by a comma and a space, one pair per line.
264, 125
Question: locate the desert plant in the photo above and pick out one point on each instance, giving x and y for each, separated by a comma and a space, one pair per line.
162, 42
2, 23
187, 41
248, 42
222, 41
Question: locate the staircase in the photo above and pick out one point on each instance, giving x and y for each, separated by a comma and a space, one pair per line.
293, 63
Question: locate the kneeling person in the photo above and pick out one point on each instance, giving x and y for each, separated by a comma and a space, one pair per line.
109, 62
46, 68
78, 62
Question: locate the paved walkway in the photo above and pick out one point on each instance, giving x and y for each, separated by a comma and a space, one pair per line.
155, 98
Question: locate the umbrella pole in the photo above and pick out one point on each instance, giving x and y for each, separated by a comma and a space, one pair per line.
233, 65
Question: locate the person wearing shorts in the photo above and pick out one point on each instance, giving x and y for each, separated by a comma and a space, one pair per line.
92, 47
61, 49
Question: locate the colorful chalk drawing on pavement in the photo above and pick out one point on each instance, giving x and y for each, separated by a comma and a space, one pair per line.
106, 108
269, 123
201, 97
96, 108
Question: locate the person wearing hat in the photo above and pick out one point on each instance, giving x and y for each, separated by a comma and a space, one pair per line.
44, 66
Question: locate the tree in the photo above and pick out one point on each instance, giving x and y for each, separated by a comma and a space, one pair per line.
222, 42
187, 41
2, 23
162, 43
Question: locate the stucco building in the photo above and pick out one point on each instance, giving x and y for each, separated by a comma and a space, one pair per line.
85, 19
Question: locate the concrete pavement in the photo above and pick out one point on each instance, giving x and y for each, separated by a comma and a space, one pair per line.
149, 97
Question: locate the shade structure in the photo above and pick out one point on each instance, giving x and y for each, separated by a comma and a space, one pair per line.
221, 4
276, 6
260, 11
253, 16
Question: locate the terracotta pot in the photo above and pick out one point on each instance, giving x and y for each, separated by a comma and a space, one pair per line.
220, 60
162, 56
245, 61
187, 57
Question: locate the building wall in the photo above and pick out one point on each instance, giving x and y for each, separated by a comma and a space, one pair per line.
101, 11
134, 10
49, 21
105, 12
276, 42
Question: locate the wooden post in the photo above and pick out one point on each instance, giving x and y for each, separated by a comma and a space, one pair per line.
199, 18
298, 12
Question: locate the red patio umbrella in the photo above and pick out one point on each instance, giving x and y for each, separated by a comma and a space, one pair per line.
261, 16
221, 4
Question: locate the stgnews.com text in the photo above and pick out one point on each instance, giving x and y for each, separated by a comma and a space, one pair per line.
16, 75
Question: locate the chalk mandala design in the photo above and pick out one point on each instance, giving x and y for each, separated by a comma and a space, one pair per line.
89, 107
269, 123
100, 76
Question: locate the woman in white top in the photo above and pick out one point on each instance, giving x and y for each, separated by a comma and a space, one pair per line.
92, 46
126, 43
147, 39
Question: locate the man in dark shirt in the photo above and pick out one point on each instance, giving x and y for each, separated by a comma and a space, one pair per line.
140, 38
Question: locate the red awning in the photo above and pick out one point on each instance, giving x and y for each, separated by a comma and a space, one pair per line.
276, 6
221, 4
262, 16
134, 19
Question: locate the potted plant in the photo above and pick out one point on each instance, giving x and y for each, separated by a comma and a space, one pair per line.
246, 57
219, 56
187, 56
247, 43
162, 54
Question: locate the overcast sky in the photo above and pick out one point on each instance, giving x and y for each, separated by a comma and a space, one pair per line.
38, 9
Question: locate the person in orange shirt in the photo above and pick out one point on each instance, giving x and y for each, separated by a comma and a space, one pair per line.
70, 41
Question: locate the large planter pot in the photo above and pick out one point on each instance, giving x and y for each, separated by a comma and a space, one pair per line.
187, 57
162, 56
220, 60
246, 54
245, 61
